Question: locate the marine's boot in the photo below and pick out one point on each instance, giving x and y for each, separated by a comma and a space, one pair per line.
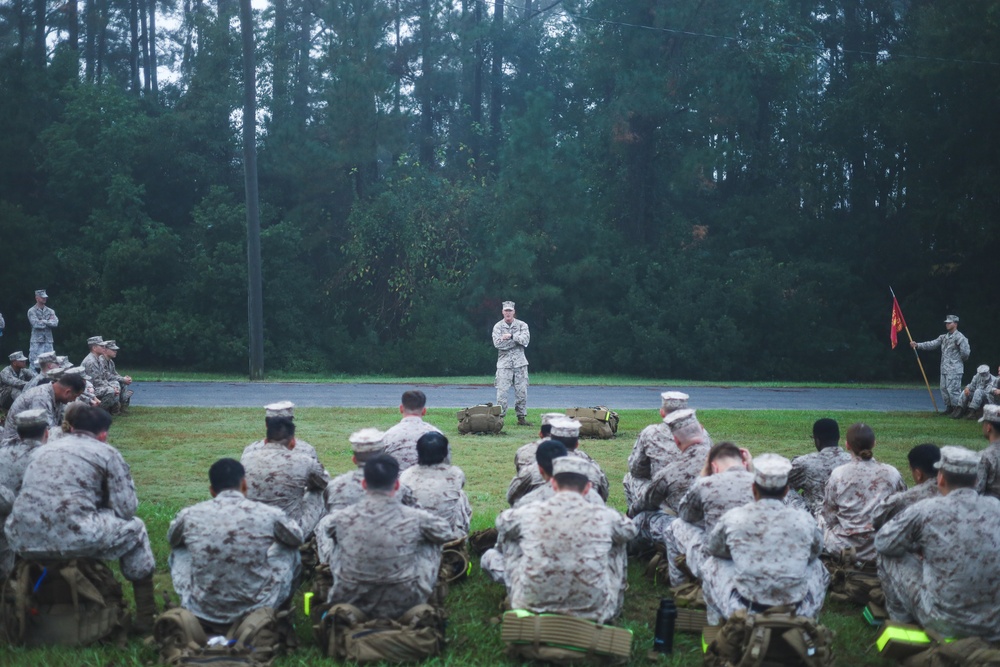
974, 414
947, 410
521, 421
145, 606
958, 413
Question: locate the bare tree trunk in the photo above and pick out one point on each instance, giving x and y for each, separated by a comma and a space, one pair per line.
477, 84
90, 17
102, 37
74, 25
144, 45
300, 92
153, 64
254, 273
133, 31
496, 74
424, 88
279, 82
38, 47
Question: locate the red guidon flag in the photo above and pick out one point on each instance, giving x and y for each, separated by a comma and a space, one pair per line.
898, 323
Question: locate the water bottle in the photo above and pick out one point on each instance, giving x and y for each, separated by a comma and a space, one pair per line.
666, 617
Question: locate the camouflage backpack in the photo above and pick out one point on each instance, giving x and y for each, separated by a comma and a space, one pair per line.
854, 581
66, 602
968, 652
774, 637
252, 641
485, 418
344, 632
599, 422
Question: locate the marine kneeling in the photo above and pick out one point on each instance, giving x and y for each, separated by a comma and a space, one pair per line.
569, 561
384, 566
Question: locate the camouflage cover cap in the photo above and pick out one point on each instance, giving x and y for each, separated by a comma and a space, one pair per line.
32, 418
958, 460
55, 372
991, 413
64, 362
95, 340
111, 345
17, 356
508, 305
41, 293
983, 369
549, 416
367, 441
280, 409
771, 471
564, 427
75, 370
573, 464
951, 318
674, 400
46, 358
679, 420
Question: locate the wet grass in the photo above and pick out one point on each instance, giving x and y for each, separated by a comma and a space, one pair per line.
170, 450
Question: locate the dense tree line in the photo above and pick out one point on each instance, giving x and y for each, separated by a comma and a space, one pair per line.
703, 188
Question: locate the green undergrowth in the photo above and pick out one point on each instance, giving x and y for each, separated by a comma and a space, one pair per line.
170, 450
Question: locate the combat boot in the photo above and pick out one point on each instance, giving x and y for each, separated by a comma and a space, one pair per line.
958, 413
145, 606
521, 421
947, 411
974, 414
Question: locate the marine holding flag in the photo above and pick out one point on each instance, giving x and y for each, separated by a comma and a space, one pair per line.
954, 352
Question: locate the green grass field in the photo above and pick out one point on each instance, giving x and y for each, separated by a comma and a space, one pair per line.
170, 451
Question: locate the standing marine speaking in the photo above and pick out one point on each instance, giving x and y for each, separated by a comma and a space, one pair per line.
510, 337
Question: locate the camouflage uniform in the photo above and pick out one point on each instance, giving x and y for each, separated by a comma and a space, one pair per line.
811, 471
14, 458
12, 383
42, 398
439, 490
78, 500
93, 363
658, 506
939, 562
980, 391
853, 493
954, 352
386, 556
343, 491
231, 555
988, 483
764, 553
897, 502
43, 320
492, 561
701, 508
284, 478
653, 450
512, 365
400, 441
569, 557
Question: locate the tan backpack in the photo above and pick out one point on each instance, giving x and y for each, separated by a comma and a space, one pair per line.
69, 602
254, 640
563, 640
485, 418
774, 637
968, 652
600, 422
346, 633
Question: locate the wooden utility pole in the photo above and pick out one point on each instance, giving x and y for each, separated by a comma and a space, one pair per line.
254, 275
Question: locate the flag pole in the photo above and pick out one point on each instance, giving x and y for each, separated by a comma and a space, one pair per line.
917, 355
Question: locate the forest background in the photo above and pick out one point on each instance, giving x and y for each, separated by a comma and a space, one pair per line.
702, 189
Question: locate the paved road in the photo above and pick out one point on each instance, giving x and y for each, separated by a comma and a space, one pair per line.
230, 394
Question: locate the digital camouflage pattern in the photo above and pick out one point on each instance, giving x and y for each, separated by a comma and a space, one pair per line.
810, 473
301, 446
512, 365
955, 352
569, 557
657, 507
988, 482
231, 555
78, 499
899, 501
439, 489
980, 390
764, 553
42, 320
939, 563
36, 398
385, 571
291, 481
12, 383
400, 441
853, 494
653, 450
